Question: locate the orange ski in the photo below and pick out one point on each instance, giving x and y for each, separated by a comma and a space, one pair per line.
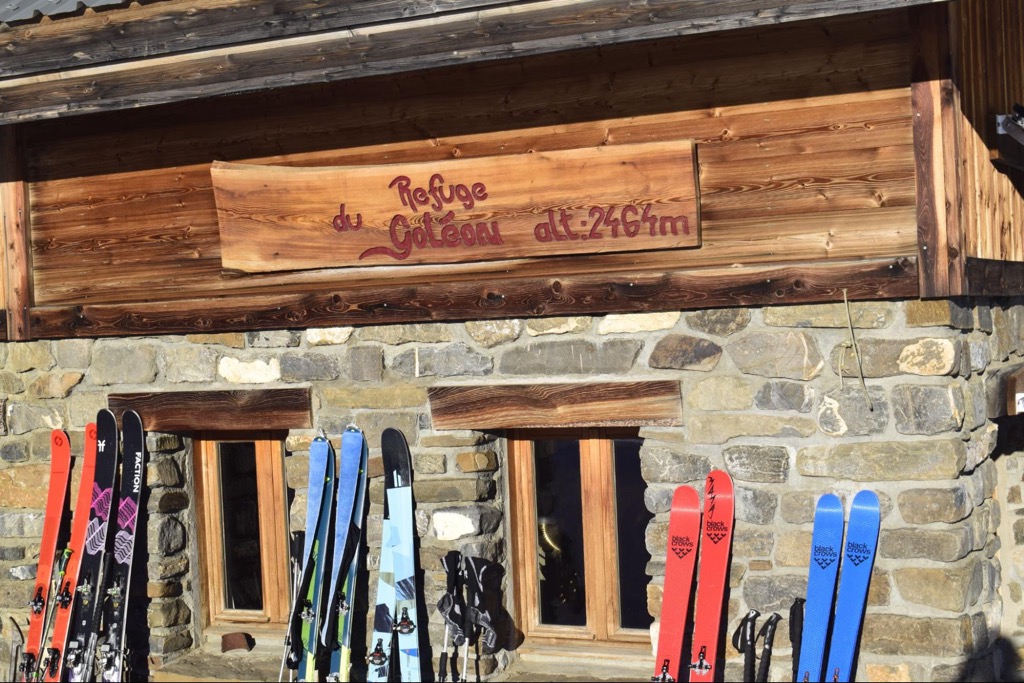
715, 546
53, 659
43, 594
680, 559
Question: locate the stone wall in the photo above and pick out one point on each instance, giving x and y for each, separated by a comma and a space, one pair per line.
772, 395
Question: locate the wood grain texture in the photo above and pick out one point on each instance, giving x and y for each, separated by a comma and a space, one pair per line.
524, 297
615, 198
218, 410
991, 79
936, 144
14, 229
478, 35
612, 404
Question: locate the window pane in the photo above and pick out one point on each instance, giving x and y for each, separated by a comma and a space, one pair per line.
631, 517
243, 573
560, 532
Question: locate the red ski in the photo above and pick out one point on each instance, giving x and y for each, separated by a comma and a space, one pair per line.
716, 542
43, 593
53, 660
680, 560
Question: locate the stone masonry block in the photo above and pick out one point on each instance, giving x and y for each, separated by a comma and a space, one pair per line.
885, 460
899, 635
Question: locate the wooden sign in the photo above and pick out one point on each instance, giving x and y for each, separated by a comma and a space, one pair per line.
606, 199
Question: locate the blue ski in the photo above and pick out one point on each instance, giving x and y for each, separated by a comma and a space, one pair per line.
320, 456
826, 546
351, 475
341, 659
858, 559
394, 647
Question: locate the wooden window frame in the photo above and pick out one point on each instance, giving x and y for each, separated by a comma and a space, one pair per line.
597, 481
273, 513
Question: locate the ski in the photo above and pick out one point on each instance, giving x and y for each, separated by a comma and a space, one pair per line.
826, 547
318, 490
54, 659
349, 504
113, 652
79, 655
854, 580
680, 560
355, 539
316, 596
713, 570
394, 646
51, 561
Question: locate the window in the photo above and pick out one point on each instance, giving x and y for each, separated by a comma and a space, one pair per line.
243, 527
579, 526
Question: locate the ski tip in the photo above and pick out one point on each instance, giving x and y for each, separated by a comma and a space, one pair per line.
829, 501
720, 479
867, 498
131, 419
58, 439
685, 498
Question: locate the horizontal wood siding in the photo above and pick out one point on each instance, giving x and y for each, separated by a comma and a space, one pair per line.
804, 142
990, 75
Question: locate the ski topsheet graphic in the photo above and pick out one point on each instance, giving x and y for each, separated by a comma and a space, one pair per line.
680, 560
715, 546
113, 651
826, 546
854, 580
394, 647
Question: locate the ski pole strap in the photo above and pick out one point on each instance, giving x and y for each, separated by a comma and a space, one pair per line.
743, 641
768, 633
796, 631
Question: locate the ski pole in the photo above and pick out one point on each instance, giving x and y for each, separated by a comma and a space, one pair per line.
448, 606
796, 632
17, 641
768, 633
743, 641
296, 578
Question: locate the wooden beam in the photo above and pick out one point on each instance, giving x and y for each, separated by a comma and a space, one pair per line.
506, 298
990, 277
151, 30
459, 37
17, 263
191, 411
935, 103
610, 404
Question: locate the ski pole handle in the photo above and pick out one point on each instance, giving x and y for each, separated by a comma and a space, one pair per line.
768, 632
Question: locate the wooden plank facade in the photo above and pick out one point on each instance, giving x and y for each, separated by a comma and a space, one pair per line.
849, 152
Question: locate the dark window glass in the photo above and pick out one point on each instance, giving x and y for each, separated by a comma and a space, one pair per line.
243, 573
560, 532
631, 517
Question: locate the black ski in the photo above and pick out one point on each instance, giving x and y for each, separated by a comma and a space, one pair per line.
113, 653
81, 648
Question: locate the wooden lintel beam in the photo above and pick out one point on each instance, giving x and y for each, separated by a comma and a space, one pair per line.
224, 410
17, 257
538, 406
508, 298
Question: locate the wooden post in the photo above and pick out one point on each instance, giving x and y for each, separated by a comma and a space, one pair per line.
17, 270
935, 104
